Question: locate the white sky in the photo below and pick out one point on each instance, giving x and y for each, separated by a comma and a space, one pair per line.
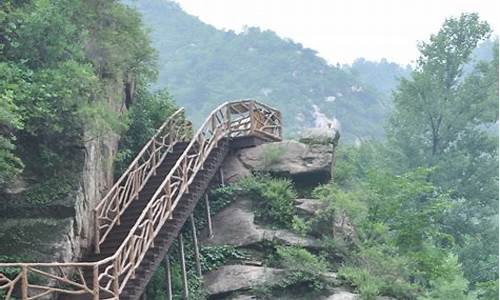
342, 30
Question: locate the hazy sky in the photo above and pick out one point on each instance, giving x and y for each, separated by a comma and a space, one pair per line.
342, 30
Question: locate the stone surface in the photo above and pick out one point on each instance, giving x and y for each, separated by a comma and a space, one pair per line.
234, 278
234, 225
290, 158
308, 207
234, 169
324, 135
65, 226
343, 294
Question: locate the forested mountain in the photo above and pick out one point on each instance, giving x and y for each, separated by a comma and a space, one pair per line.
202, 67
383, 75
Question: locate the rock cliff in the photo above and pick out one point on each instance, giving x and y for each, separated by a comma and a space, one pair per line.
62, 229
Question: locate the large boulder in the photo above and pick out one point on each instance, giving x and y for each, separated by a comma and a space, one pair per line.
233, 278
289, 158
234, 225
323, 135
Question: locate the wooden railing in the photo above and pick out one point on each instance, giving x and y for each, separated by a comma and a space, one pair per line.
110, 275
126, 189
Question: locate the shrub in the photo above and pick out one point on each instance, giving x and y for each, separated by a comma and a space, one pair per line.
380, 270
303, 268
215, 256
275, 198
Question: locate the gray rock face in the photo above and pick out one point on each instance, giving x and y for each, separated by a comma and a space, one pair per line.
322, 135
289, 158
309, 207
234, 169
63, 230
234, 278
235, 226
342, 294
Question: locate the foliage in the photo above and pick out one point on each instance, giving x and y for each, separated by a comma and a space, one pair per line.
380, 270
10, 120
302, 268
63, 65
443, 118
274, 197
145, 117
213, 257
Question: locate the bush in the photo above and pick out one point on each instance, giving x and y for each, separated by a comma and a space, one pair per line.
213, 257
275, 198
303, 268
379, 270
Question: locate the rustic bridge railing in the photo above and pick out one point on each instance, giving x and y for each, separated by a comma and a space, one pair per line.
110, 275
126, 189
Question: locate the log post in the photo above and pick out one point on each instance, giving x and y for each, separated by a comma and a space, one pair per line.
169, 277
185, 292
95, 281
209, 217
24, 282
116, 277
97, 234
196, 248
252, 117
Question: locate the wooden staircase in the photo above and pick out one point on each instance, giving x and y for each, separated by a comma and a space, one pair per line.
171, 229
143, 213
132, 213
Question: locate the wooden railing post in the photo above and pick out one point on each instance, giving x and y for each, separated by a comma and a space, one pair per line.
116, 277
95, 281
252, 117
228, 119
24, 282
97, 233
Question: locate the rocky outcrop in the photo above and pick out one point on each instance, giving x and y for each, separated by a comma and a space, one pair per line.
232, 278
291, 158
235, 226
308, 207
287, 158
63, 229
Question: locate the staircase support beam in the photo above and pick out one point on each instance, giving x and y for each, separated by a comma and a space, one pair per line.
169, 277
222, 179
209, 217
196, 247
185, 292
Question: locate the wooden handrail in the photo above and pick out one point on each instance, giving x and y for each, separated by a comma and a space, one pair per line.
126, 189
229, 120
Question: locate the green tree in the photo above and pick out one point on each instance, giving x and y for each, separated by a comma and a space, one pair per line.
442, 120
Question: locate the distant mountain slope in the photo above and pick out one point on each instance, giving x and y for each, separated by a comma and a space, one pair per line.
203, 66
383, 75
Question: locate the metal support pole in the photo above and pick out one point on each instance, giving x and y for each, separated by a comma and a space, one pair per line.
195, 244
185, 292
222, 180
209, 217
169, 277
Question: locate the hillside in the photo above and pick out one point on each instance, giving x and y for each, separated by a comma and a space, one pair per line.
202, 67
